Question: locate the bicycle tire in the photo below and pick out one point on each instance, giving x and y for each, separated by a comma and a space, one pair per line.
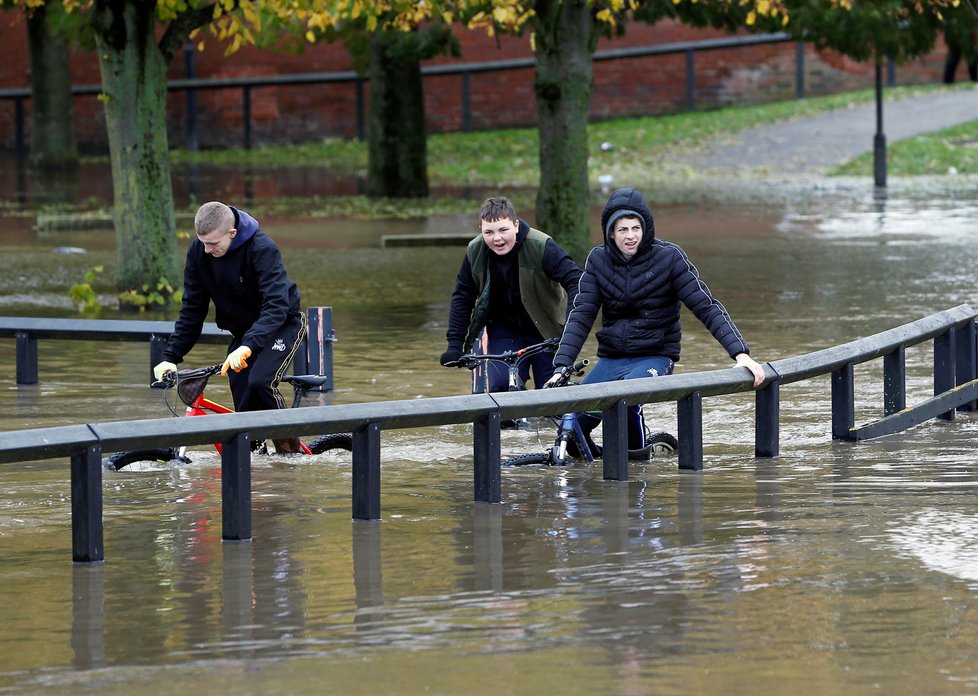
324, 443
528, 459
661, 443
118, 460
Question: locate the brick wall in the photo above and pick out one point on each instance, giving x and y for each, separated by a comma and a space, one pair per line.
640, 86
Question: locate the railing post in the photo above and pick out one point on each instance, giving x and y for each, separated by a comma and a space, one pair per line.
843, 402
466, 103
361, 128
319, 345
944, 368
20, 144
614, 434
246, 114
895, 381
799, 70
190, 71
767, 413
157, 344
366, 472
236, 488
690, 79
690, 432
964, 361
485, 454
26, 358
86, 505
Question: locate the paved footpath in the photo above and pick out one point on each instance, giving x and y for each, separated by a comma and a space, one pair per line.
815, 144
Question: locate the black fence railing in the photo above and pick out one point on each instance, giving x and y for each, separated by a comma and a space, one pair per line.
955, 388
316, 354
247, 84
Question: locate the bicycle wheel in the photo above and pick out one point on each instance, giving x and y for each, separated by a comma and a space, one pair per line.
528, 459
118, 460
661, 443
324, 443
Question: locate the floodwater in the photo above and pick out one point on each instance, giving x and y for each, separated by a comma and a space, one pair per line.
835, 568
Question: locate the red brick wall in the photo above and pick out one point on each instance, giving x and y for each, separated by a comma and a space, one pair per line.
654, 85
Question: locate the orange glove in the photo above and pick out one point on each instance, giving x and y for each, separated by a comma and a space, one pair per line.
236, 360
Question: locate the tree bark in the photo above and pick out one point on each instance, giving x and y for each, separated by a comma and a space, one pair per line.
134, 93
53, 144
397, 133
566, 38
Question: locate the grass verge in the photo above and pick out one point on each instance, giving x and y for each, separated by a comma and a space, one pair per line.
509, 158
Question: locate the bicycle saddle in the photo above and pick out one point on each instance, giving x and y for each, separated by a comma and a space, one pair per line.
306, 381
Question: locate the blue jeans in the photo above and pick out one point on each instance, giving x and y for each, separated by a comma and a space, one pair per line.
611, 369
494, 376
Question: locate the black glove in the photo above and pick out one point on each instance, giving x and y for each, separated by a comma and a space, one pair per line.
450, 356
560, 377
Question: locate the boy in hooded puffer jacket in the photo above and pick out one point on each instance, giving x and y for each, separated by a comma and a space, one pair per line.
638, 282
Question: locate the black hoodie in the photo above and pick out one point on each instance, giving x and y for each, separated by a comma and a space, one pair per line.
640, 298
252, 294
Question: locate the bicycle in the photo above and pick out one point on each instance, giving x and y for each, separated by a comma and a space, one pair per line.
570, 436
189, 385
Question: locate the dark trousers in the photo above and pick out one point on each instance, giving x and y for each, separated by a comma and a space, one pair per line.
255, 388
494, 376
612, 369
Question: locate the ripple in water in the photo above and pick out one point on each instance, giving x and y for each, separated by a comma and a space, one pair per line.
944, 541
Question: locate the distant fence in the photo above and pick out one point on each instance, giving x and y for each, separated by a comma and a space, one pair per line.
465, 70
316, 353
955, 388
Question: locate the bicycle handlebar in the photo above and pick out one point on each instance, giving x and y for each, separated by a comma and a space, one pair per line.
471, 360
575, 370
171, 377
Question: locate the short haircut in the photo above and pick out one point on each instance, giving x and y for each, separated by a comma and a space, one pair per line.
494, 209
213, 216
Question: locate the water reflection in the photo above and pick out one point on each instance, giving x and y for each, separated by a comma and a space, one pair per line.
88, 615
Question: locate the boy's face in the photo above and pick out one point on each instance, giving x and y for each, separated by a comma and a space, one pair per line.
627, 234
500, 235
217, 243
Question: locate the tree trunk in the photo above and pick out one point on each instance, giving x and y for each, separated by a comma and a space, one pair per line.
566, 38
53, 144
134, 93
397, 151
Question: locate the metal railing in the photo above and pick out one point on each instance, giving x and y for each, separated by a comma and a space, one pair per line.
955, 388
465, 70
316, 352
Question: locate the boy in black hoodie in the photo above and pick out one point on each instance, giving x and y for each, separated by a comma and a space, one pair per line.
237, 266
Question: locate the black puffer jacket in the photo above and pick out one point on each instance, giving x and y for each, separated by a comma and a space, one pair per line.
640, 298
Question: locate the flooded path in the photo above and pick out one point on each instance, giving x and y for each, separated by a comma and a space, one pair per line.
834, 568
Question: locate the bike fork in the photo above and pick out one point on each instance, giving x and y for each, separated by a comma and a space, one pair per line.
569, 427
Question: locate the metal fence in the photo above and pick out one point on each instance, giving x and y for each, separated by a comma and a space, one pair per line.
316, 353
955, 388
248, 84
